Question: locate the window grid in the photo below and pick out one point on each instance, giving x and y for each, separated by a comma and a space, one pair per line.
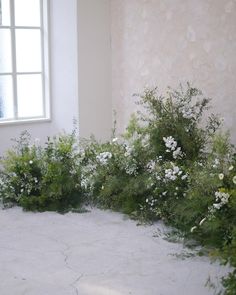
44, 59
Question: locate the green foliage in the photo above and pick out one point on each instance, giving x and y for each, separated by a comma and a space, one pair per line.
39, 178
178, 113
170, 164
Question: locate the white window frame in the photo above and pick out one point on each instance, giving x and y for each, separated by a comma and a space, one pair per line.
45, 72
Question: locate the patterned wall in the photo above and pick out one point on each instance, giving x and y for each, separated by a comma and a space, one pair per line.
165, 42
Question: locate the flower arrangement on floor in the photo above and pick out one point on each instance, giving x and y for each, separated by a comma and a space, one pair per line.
170, 164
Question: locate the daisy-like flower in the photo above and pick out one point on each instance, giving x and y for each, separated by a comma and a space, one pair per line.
221, 176
234, 179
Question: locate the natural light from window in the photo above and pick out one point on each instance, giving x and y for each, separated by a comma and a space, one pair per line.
23, 60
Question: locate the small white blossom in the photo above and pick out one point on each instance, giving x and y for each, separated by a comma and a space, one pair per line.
221, 176
131, 169
172, 173
221, 198
187, 112
234, 179
114, 139
104, 157
231, 168
216, 163
170, 143
217, 206
177, 153
128, 150
30, 162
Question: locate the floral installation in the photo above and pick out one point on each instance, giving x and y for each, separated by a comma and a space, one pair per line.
169, 164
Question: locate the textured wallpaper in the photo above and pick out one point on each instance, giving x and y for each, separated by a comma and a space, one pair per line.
165, 42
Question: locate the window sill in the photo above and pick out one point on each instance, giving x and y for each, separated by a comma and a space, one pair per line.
24, 121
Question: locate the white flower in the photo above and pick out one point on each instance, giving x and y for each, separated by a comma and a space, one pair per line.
171, 174
187, 112
222, 199
221, 176
184, 177
104, 157
177, 153
202, 221
234, 179
128, 150
231, 168
131, 169
193, 229
170, 143
151, 166
217, 206
216, 163
30, 162
115, 139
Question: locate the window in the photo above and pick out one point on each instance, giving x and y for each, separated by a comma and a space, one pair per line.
24, 73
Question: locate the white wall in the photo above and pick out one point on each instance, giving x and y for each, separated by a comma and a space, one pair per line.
80, 54
164, 42
64, 77
94, 49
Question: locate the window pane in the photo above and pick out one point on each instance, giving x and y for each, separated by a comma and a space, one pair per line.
27, 12
6, 98
30, 98
5, 13
5, 51
28, 50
